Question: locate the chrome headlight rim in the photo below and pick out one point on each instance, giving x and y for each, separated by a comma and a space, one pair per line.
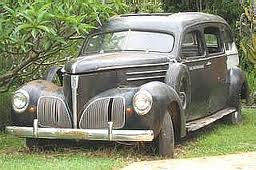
148, 96
23, 108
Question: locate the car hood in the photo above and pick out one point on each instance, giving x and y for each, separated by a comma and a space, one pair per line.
108, 61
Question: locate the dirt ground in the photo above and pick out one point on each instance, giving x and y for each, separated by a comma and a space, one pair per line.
243, 161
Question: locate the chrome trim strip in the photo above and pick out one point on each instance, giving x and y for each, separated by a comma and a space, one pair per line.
73, 68
146, 72
58, 98
82, 134
190, 60
74, 86
144, 78
132, 66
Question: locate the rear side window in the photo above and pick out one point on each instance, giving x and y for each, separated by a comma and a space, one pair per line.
192, 45
213, 40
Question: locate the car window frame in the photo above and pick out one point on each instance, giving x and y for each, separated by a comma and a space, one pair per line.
186, 31
82, 51
214, 25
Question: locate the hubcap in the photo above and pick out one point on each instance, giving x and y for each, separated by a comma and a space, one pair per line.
183, 99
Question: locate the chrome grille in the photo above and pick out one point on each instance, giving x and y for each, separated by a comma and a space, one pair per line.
53, 112
97, 114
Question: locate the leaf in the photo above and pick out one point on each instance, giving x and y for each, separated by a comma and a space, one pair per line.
22, 27
33, 33
44, 28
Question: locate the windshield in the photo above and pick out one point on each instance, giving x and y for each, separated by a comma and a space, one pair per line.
130, 41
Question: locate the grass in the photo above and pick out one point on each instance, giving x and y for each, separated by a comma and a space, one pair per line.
217, 139
220, 139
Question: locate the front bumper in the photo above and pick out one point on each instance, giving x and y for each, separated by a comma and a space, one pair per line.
81, 134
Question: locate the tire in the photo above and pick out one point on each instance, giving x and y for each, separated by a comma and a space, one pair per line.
164, 143
236, 117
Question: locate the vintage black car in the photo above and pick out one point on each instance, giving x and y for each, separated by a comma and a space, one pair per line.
139, 77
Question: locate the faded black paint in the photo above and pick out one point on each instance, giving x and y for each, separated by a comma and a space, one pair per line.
104, 75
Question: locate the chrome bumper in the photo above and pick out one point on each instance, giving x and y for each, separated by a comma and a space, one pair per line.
82, 134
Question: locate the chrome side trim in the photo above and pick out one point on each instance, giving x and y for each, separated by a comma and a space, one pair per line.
190, 60
144, 78
146, 72
81, 134
74, 86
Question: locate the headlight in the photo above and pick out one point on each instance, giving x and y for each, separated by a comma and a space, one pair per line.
20, 100
142, 102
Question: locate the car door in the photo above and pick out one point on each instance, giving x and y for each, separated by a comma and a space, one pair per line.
217, 68
194, 56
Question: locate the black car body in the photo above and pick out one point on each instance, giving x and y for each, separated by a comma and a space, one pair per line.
139, 77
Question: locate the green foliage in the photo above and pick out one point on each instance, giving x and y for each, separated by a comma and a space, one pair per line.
35, 33
5, 109
229, 10
145, 6
248, 31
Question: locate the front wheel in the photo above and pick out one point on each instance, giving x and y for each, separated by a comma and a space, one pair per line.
165, 140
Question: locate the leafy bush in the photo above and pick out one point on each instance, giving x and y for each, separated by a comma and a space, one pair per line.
37, 33
248, 31
5, 108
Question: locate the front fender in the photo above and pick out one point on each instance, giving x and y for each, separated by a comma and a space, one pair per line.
35, 90
163, 96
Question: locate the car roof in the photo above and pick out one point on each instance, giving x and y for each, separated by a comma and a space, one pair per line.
163, 22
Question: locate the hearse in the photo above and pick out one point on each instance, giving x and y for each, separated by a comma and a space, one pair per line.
139, 77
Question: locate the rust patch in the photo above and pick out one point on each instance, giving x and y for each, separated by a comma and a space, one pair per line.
72, 134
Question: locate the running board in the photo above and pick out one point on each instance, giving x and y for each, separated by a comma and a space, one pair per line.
197, 124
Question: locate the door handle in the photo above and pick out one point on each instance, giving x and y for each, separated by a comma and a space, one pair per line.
208, 63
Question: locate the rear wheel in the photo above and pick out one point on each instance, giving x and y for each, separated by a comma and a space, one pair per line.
165, 141
236, 117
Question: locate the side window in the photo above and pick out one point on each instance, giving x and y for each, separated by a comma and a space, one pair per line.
192, 45
213, 40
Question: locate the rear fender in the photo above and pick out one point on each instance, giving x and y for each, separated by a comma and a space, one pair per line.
238, 83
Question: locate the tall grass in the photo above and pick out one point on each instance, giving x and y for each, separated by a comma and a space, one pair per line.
251, 77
